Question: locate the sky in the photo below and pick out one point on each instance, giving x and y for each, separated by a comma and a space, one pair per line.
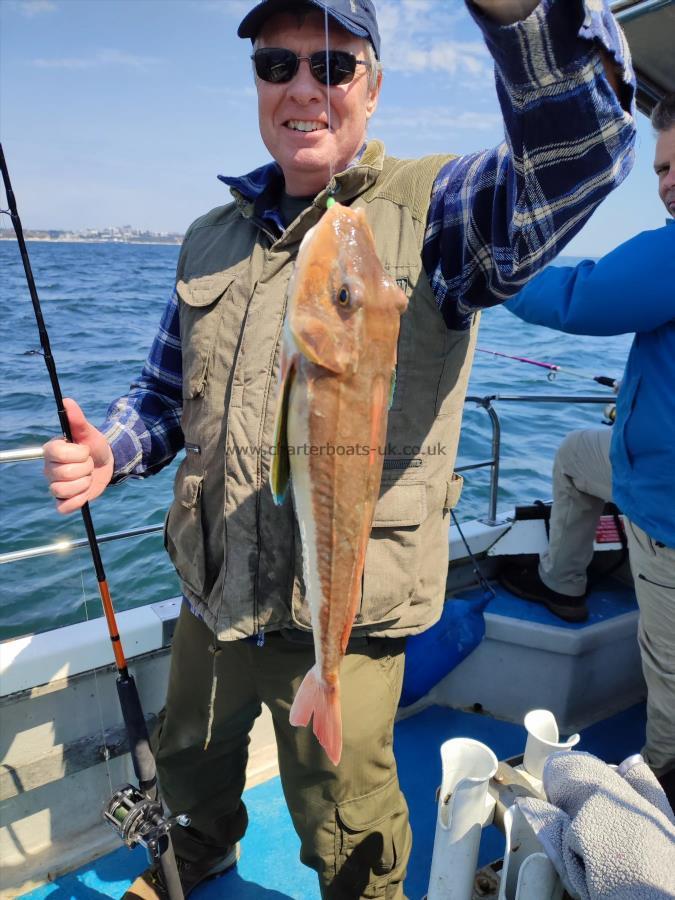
122, 112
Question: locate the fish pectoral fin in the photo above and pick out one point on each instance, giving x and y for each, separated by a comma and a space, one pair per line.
280, 472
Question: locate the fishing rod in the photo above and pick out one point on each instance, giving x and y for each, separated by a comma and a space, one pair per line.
605, 380
136, 814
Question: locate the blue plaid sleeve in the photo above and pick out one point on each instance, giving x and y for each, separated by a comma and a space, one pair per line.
497, 217
143, 427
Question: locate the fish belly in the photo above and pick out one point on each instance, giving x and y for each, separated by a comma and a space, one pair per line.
334, 492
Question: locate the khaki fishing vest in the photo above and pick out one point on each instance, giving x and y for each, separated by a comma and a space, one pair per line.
238, 556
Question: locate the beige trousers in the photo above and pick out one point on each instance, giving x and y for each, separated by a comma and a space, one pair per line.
582, 484
653, 567
352, 819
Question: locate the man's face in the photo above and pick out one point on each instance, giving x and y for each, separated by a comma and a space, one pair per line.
283, 109
664, 166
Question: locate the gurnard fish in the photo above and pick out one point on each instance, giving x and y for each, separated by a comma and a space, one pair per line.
337, 370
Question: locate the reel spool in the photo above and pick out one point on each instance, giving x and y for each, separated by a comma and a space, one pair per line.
139, 820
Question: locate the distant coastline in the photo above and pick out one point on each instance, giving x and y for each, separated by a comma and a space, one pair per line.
114, 235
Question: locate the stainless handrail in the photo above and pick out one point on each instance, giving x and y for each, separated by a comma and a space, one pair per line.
485, 402
65, 545
9, 456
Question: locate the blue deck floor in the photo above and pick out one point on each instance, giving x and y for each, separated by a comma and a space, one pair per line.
269, 868
608, 599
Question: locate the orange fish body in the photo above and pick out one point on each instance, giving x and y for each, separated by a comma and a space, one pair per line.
337, 365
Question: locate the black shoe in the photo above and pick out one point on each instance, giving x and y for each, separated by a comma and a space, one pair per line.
150, 885
525, 582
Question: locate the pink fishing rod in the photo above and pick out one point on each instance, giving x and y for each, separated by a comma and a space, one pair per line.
605, 380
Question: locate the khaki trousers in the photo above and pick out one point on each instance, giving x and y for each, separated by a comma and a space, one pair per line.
582, 484
352, 820
653, 567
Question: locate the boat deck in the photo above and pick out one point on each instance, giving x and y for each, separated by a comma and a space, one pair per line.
269, 868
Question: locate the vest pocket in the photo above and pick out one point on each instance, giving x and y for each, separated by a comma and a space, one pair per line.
183, 533
200, 316
390, 573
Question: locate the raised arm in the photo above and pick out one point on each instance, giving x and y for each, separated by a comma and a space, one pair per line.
499, 216
632, 289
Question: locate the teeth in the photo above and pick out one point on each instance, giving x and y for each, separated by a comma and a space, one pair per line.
297, 125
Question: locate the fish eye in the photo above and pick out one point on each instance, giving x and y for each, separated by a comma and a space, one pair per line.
344, 297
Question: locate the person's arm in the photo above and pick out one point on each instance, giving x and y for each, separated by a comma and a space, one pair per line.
143, 427
499, 216
632, 289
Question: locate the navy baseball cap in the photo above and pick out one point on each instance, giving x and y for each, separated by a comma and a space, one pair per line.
357, 16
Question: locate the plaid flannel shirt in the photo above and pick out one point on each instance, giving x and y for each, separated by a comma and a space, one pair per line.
496, 217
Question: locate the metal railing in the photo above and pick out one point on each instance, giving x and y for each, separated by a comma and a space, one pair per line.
32, 453
25, 453
486, 403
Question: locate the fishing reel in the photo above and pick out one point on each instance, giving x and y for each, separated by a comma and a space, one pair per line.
139, 820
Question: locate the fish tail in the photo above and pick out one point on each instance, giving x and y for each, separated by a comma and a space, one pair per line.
315, 697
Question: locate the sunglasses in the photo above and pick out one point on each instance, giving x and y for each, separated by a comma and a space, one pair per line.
277, 65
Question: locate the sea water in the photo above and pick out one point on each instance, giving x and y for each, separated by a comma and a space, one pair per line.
102, 304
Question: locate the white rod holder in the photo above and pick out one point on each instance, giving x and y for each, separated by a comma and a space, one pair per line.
543, 739
464, 807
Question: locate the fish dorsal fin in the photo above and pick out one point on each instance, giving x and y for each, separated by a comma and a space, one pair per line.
280, 471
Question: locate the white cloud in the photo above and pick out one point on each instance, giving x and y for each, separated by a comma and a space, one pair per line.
31, 8
107, 57
434, 120
423, 36
451, 57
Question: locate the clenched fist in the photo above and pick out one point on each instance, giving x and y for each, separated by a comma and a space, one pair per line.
81, 471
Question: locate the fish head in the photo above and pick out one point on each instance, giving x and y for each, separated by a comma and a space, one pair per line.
338, 290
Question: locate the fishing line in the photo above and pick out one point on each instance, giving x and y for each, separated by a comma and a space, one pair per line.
330, 159
489, 593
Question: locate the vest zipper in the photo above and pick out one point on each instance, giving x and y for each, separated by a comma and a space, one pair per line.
406, 462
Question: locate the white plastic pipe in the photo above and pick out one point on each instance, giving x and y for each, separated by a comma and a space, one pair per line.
464, 807
527, 873
543, 739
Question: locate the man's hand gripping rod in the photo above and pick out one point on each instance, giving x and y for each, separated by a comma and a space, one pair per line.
136, 814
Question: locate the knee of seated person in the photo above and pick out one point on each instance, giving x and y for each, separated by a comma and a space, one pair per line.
569, 449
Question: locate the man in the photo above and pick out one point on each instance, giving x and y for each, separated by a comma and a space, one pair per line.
457, 234
630, 290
